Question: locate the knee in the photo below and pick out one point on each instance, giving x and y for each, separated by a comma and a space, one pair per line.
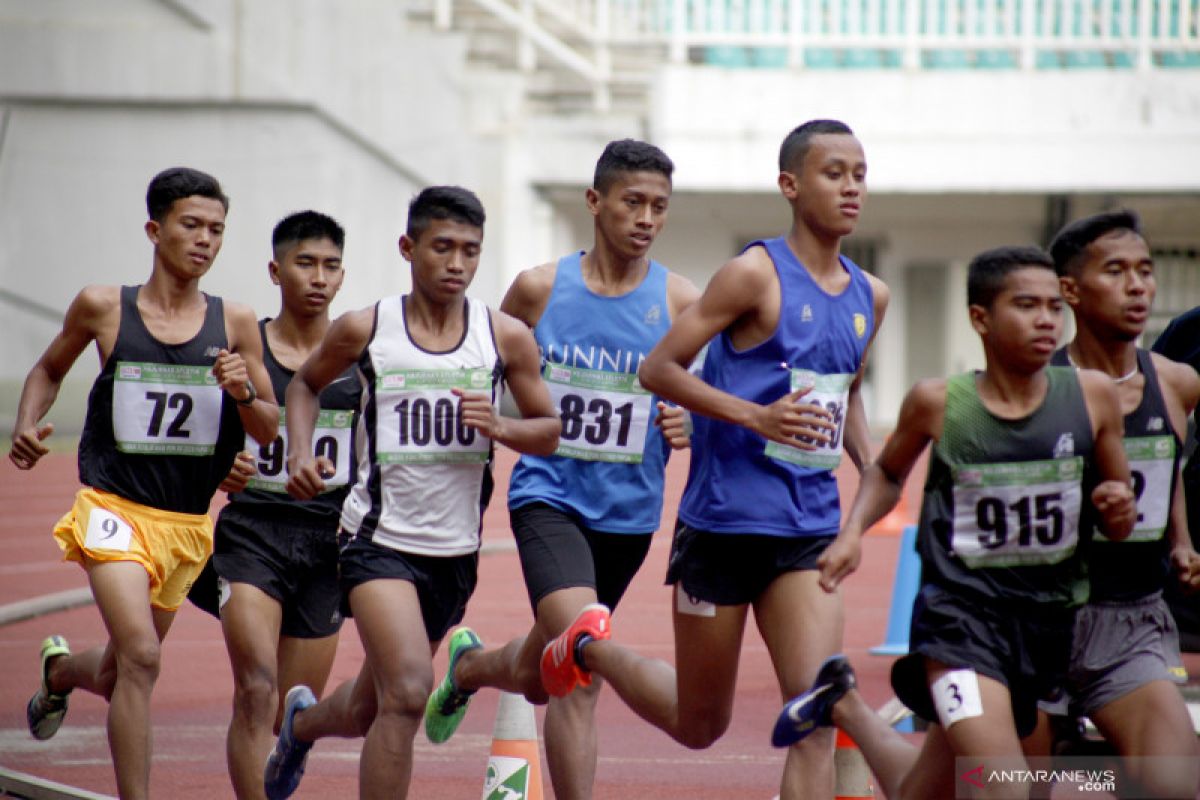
255, 692
703, 733
140, 661
530, 681
405, 696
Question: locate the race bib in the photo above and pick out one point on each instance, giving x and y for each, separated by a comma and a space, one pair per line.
331, 438
1017, 514
418, 420
166, 409
107, 531
1152, 466
605, 415
831, 392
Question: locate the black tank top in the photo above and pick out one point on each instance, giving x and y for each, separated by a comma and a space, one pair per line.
333, 437
1001, 517
158, 430
1139, 566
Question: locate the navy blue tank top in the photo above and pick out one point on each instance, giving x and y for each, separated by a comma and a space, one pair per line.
740, 483
608, 469
333, 438
158, 430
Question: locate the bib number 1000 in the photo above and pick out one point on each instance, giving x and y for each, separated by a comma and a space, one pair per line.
422, 421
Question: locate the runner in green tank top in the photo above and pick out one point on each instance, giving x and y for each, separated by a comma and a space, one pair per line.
998, 537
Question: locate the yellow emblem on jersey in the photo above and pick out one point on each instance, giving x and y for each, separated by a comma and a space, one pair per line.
860, 325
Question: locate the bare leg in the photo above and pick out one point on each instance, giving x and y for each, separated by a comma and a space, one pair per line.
250, 620
693, 702
802, 626
890, 756
1152, 720
135, 631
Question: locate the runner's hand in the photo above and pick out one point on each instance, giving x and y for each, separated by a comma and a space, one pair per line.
838, 561
230, 372
240, 473
1116, 503
27, 445
676, 425
788, 421
1185, 563
479, 413
307, 475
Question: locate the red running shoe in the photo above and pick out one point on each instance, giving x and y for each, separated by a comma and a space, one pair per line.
560, 672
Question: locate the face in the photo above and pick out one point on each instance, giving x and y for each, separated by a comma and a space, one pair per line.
1024, 322
829, 191
189, 236
632, 211
309, 275
444, 258
1113, 290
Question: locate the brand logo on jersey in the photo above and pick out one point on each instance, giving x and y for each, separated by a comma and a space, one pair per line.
1065, 446
212, 352
806, 314
1163, 448
653, 315
1154, 424
131, 373
860, 325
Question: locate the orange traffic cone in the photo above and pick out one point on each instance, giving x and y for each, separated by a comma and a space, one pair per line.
514, 770
852, 776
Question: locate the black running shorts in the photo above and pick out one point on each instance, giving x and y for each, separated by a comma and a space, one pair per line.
559, 552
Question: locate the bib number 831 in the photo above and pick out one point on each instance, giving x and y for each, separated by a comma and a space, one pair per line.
599, 430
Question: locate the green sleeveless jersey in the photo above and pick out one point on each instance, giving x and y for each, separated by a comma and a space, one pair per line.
1001, 517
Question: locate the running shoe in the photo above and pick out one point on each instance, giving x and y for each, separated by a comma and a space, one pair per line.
560, 665
813, 709
448, 704
46, 709
285, 765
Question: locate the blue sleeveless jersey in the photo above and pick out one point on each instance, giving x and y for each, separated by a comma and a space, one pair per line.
589, 344
738, 482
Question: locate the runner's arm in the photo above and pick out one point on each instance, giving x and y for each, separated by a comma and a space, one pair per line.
536, 432
90, 309
341, 348
734, 291
857, 434
240, 372
1112, 497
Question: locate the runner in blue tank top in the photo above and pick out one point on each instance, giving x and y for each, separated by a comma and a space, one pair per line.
178, 369
790, 322
583, 517
1126, 645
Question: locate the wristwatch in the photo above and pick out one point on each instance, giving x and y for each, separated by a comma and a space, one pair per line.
250, 398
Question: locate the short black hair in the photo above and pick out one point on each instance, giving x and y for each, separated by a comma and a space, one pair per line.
629, 155
1069, 243
989, 270
443, 202
795, 144
304, 225
177, 183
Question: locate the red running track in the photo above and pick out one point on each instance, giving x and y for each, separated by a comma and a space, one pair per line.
191, 706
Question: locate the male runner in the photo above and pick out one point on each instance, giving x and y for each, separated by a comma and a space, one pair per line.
181, 377
1016, 448
790, 322
583, 517
432, 363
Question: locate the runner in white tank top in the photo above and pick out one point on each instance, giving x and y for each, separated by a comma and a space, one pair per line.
432, 362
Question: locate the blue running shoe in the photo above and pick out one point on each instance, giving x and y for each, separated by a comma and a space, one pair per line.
285, 765
46, 710
447, 704
813, 709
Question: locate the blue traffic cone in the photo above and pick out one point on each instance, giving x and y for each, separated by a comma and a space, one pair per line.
904, 594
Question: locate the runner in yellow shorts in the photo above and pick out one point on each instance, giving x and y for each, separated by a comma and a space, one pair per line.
179, 388
172, 547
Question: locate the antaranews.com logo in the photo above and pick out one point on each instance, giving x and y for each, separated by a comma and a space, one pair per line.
1076, 777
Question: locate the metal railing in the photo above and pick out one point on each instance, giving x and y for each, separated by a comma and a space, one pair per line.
586, 36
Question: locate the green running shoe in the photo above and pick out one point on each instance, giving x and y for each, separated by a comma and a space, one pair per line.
46, 710
448, 704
